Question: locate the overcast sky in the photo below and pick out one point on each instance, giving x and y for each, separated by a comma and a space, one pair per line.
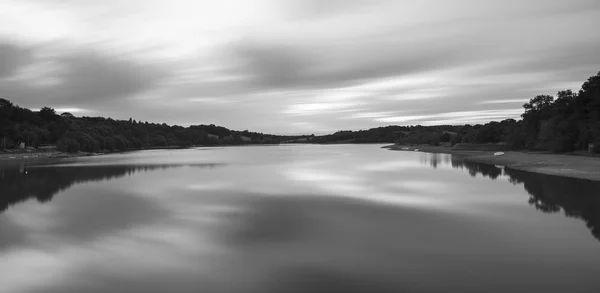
295, 66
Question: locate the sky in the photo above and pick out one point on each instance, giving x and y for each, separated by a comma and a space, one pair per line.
295, 66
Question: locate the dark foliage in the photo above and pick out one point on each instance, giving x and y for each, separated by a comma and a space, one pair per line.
97, 134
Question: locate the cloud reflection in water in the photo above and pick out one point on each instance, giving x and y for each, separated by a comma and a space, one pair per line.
370, 221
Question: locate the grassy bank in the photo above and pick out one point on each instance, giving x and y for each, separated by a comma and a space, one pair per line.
545, 163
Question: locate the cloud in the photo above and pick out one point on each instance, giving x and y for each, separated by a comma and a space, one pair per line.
316, 9
12, 234
317, 108
229, 62
275, 66
467, 60
517, 101
461, 117
11, 58
68, 215
369, 115
60, 75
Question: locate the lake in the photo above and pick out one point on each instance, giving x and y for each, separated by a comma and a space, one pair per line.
293, 218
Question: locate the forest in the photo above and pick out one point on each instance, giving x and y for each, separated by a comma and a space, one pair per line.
567, 122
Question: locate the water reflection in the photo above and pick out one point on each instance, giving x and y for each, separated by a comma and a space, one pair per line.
578, 198
319, 279
486, 170
435, 159
22, 182
275, 221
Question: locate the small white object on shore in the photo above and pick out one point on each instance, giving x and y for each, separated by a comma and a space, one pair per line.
416, 150
499, 154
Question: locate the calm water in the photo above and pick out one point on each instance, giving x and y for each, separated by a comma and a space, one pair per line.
349, 218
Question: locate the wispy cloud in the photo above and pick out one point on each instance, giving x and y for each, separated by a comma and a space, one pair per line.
461, 117
508, 101
320, 108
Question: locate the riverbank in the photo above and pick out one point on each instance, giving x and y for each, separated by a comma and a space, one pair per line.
43, 155
36, 154
545, 163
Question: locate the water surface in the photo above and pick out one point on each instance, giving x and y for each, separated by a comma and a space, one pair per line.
294, 218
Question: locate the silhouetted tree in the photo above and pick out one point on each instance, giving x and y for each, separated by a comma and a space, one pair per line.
48, 114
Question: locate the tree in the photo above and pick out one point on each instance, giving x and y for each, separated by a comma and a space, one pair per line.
4, 103
537, 104
48, 114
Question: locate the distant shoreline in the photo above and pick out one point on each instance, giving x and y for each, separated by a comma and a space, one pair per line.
20, 156
545, 163
44, 155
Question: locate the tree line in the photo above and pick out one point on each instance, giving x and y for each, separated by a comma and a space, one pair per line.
565, 123
24, 127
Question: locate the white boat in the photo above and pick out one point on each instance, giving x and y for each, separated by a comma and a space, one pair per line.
499, 154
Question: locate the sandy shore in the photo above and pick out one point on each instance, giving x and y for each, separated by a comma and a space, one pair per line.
552, 164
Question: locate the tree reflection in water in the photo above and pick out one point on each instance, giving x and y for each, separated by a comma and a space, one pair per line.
21, 183
486, 170
578, 198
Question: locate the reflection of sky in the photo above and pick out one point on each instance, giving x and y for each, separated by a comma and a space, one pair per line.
271, 220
